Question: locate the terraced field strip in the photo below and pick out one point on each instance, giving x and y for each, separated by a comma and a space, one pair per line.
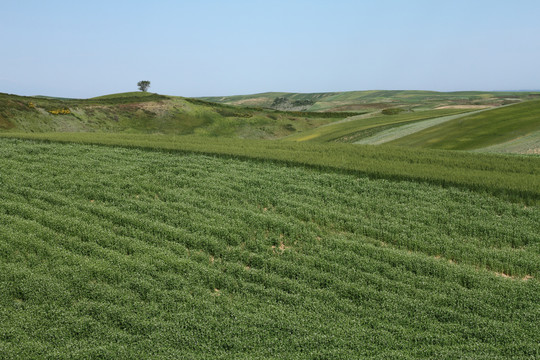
358, 127
516, 178
407, 129
114, 252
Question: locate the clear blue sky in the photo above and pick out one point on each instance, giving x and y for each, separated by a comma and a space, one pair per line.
198, 48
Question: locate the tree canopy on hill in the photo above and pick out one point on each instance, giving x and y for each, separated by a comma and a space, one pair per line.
143, 85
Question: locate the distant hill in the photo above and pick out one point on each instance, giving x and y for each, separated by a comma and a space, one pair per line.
375, 99
137, 112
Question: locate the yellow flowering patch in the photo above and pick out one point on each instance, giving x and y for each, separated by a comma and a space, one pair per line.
60, 112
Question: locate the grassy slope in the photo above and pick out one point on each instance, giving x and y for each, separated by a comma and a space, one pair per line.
507, 176
479, 130
123, 253
151, 113
355, 129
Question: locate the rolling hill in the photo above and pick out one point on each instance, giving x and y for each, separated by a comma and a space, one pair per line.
405, 118
152, 113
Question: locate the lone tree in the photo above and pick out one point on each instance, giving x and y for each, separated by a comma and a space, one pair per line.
143, 85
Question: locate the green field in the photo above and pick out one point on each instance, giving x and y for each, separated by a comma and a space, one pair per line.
116, 252
480, 130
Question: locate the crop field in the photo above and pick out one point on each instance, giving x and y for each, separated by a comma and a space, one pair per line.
117, 252
480, 130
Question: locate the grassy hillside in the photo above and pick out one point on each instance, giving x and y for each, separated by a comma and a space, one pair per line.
380, 99
109, 252
479, 130
506, 176
151, 113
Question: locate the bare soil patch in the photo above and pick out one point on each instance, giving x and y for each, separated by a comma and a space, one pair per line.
251, 102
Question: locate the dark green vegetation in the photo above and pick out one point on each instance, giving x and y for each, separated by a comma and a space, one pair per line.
507, 176
108, 252
356, 128
479, 130
283, 103
152, 113
377, 99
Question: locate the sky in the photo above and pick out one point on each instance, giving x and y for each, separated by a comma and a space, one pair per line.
83, 49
